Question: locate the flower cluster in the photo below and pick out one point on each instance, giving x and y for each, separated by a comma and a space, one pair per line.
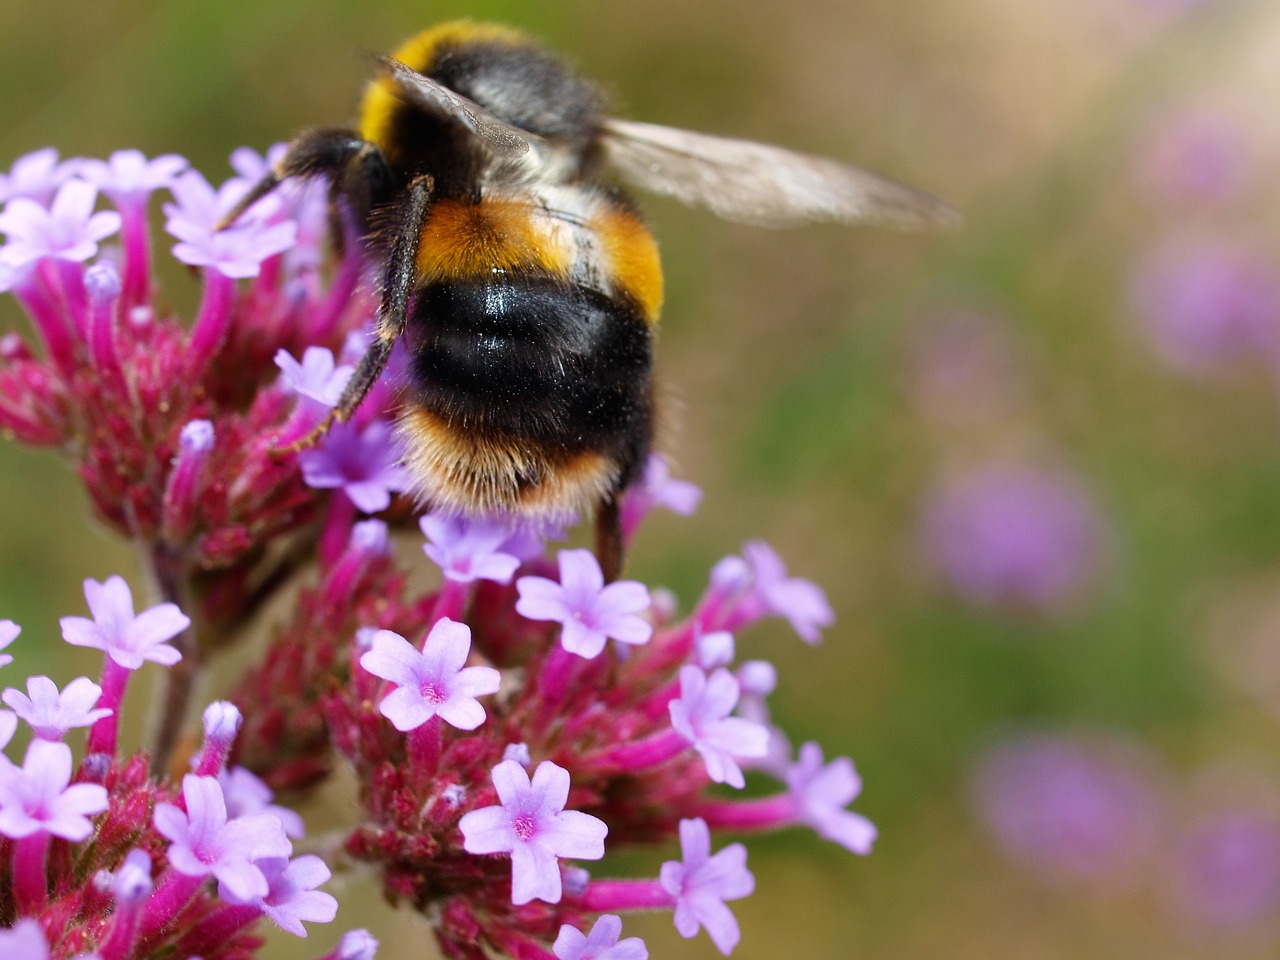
520, 717
104, 859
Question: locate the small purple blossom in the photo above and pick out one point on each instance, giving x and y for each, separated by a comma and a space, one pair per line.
245, 793
701, 883
51, 713
701, 715
25, 940
965, 366
8, 633
317, 377
469, 549
129, 640
293, 896
801, 602
38, 797
36, 176
205, 841
8, 727
362, 463
68, 230
657, 489
370, 537
532, 825
356, 945
237, 251
197, 436
822, 791
1012, 535
433, 682
590, 612
127, 175
600, 944
715, 649
1207, 302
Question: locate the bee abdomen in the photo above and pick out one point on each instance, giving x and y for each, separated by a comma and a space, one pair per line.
545, 383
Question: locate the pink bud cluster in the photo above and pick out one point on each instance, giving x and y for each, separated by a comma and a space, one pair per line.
519, 719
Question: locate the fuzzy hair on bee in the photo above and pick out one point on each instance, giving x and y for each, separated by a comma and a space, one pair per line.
522, 279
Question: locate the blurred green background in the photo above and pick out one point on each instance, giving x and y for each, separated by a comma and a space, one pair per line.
799, 366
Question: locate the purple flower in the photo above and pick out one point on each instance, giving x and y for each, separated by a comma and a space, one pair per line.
657, 489
363, 464
8, 727
196, 436
701, 715
127, 639
128, 176
68, 230
821, 792
356, 945
244, 794
965, 366
532, 825
8, 633
1226, 869
715, 649
1012, 535
36, 176
1076, 808
50, 713
434, 682
293, 897
600, 944
25, 940
1197, 154
702, 883
590, 612
316, 377
205, 842
237, 251
801, 602
1207, 302
35, 798
469, 549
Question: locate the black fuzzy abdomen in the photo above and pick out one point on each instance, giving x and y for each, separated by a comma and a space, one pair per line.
536, 360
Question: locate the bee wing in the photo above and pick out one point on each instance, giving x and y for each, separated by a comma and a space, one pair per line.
760, 184
501, 138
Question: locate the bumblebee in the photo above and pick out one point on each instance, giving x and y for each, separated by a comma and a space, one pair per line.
524, 282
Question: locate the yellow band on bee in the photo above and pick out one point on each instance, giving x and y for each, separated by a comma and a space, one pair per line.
381, 100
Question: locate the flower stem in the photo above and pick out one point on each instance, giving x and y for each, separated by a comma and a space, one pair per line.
610, 896
30, 877
103, 734
180, 679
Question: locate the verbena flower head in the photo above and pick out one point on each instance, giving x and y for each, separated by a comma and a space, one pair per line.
1014, 536
495, 750
1074, 808
1207, 302
1224, 870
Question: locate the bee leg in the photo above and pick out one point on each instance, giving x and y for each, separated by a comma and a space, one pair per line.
393, 311
609, 546
313, 153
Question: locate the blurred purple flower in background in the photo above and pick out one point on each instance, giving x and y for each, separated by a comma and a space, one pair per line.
1225, 870
1207, 302
1072, 806
1013, 535
964, 365
1194, 155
